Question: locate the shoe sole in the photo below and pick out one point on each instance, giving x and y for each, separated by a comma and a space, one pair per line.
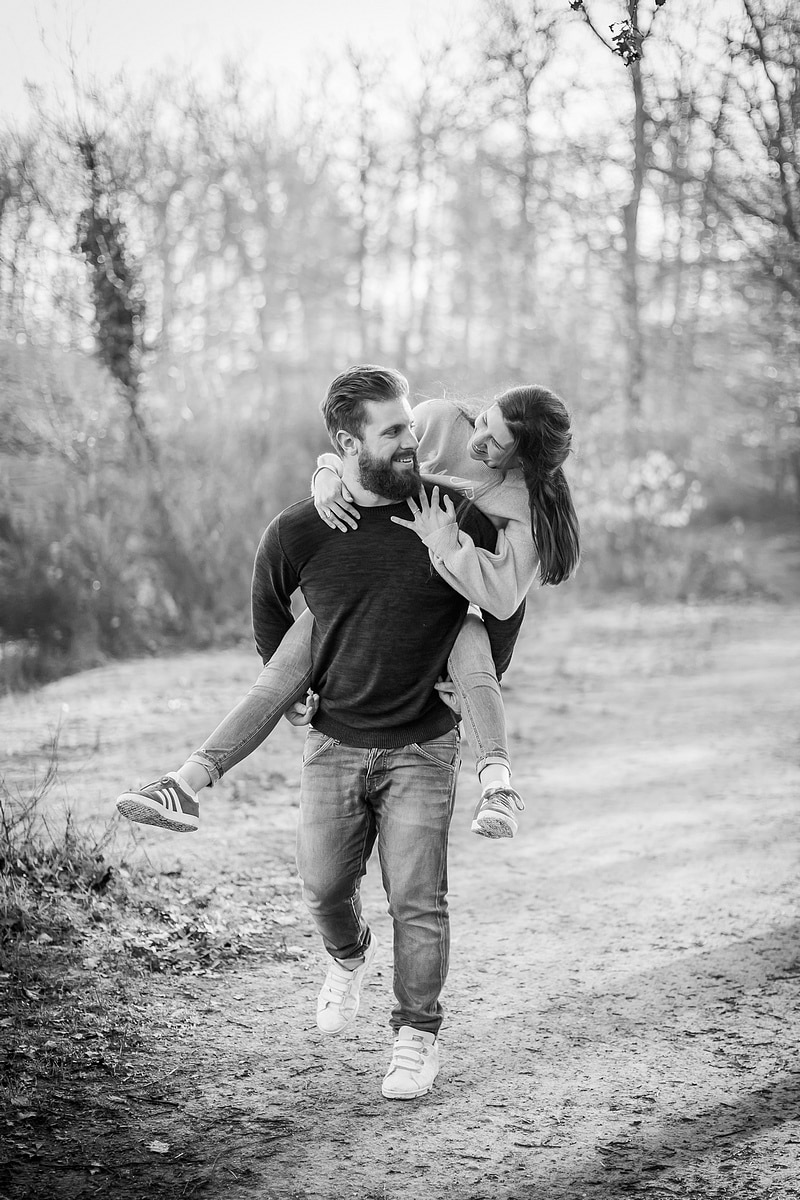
368, 957
148, 812
493, 825
389, 1095
407, 1095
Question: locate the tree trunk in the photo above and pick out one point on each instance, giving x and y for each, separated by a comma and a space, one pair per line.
630, 219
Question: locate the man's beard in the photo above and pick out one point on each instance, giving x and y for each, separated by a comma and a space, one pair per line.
379, 477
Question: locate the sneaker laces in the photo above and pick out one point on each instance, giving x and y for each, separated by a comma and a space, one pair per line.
498, 796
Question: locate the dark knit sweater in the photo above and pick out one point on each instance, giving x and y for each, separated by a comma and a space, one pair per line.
384, 621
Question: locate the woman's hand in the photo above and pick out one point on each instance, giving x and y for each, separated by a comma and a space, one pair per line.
333, 500
303, 711
430, 515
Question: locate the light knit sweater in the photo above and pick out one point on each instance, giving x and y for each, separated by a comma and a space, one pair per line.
497, 581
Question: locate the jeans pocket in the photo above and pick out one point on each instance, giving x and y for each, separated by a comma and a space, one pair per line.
315, 744
442, 752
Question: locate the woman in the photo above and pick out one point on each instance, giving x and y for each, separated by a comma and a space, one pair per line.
508, 460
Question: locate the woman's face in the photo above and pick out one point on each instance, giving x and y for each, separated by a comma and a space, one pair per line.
492, 442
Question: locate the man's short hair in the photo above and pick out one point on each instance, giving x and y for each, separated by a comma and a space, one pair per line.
343, 406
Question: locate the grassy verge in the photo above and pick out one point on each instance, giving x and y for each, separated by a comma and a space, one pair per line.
82, 933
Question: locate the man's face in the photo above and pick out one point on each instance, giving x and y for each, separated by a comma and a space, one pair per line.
387, 457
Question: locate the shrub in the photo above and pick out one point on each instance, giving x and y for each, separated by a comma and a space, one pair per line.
46, 874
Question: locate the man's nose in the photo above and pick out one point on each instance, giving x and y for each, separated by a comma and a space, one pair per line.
411, 439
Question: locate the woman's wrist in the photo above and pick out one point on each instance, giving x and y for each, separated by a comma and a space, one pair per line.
322, 467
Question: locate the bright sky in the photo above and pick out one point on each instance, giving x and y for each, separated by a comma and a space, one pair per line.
108, 35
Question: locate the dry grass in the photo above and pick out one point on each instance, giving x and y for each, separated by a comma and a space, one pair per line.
81, 930
624, 974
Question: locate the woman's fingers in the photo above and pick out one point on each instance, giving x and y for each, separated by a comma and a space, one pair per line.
348, 514
428, 505
340, 516
332, 520
428, 514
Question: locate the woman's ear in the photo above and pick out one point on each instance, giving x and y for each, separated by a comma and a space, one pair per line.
348, 444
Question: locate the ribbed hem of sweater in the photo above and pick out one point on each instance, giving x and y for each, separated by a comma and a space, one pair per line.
387, 739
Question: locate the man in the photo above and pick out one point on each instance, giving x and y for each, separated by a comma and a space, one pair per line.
381, 759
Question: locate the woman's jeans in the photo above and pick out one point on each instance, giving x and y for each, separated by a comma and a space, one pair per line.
287, 676
283, 680
471, 669
403, 798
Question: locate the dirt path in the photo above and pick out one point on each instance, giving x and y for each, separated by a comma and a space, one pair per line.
622, 1003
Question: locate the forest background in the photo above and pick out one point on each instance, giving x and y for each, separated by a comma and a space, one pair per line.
601, 197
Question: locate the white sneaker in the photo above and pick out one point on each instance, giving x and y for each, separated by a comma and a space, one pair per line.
414, 1065
337, 1003
494, 815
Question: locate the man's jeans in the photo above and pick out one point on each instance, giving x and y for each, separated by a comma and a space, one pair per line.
404, 798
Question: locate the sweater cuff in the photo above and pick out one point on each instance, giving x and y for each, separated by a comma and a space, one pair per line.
443, 541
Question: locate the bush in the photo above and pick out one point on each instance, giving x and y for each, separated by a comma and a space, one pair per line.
77, 584
47, 875
110, 546
63, 893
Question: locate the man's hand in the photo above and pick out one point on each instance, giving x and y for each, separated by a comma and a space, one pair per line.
333, 501
448, 694
430, 515
304, 711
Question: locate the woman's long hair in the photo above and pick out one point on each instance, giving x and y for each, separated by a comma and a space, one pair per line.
540, 425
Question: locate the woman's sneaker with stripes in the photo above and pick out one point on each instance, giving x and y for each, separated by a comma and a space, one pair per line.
169, 802
496, 812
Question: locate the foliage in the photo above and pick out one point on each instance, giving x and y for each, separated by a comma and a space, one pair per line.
64, 886
517, 211
82, 927
118, 300
627, 39
49, 876
74, 585
658, 493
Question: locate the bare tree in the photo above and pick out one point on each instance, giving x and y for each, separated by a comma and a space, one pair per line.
768, 189
519, 45
366, 159
627, 38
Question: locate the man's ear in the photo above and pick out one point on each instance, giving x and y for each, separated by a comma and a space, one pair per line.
347, 443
